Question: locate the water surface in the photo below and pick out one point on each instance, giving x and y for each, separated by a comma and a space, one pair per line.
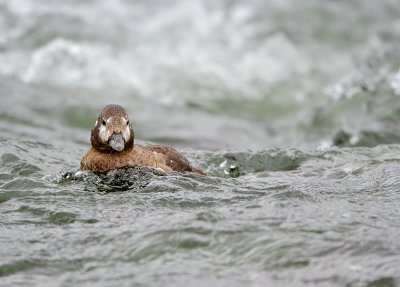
291, 108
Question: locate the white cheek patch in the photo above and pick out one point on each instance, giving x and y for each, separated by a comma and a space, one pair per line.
126, 133
104, 133
96, 123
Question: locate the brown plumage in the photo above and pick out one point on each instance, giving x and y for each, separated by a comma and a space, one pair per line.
112, 146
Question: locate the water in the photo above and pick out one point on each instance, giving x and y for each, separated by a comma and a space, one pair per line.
291, 108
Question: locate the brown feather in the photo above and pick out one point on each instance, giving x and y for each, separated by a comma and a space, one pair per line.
101, 157
173, 159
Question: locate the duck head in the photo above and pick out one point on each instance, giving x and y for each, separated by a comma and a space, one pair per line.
112, 131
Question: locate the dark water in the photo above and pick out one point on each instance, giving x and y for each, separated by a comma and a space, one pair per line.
292, 109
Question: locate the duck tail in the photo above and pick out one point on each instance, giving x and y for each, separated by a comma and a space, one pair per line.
198, 171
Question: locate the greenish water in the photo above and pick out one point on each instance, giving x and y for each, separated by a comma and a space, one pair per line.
291, 108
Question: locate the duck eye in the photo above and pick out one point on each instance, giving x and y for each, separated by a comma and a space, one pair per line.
103, 122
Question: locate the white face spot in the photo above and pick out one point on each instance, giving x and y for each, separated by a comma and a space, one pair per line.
125, 130
96, 123
117, 125
104, 133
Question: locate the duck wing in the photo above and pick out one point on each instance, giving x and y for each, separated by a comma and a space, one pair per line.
174, 159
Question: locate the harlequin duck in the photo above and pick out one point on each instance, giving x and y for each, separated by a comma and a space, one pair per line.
112, 146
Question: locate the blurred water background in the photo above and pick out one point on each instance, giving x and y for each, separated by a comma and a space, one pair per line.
292, 107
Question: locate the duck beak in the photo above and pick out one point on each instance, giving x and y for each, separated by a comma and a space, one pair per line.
117, 142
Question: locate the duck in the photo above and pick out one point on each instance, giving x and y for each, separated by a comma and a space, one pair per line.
112, 146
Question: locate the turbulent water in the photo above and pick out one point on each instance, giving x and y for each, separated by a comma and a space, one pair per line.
291, 107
